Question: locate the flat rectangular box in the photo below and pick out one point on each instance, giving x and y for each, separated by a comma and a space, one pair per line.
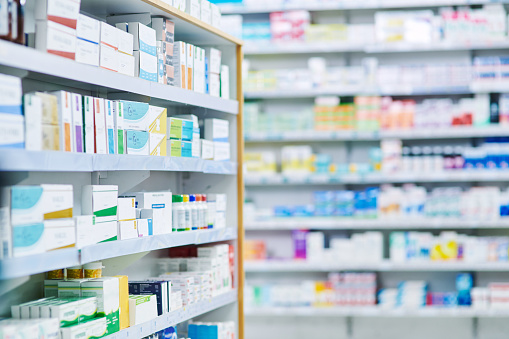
207, 149
225, 82
127, 230
221, 151
175, 148
70, 288
144, 38
126, 209
99, 200
120, 143
158, 144
138, 142
109, 36
158, 120
199, 70
136, 115
142, 308
205, 12
217, 130
88, 29
214, 57
107, 291
59, 234
85, 230
94, 328
157, 288
165, 29
65, 120
12, 130
187, 130
50, 137
63, 12
101, 146
106, 229
126, 64
108, 58
77, 122
125, 42
187, 149
180, 64
110, 125
145, 66
166, 49
87, 52
55, 39
190, 66
88, 124
49, 108
174, 128
10, 95
193, 8
145, 227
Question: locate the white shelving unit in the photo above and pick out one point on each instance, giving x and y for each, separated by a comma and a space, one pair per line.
22, 277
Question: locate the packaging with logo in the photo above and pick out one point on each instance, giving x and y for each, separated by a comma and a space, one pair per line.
107, 292
138, 142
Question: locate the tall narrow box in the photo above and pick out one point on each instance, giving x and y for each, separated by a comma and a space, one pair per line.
199, 70
180, 64
190, 66
77, 122
65, 120
119, 128
165, 29
33, 122
124, 301
107, 292
110, 125
101, 146
88, 125
225, 82
157, 130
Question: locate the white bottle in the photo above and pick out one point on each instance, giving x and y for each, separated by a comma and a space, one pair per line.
202, 211
195, 221
187, 208
178, 213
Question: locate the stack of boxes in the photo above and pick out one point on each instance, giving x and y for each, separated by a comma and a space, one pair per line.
125, 54
218, 132
213, 57
145, 50
126, 217
101, 202
180, 64
156, 209
136, 124
180, 136
88, 33
109, 43
195, 140
165, 36
12, 127
158, 130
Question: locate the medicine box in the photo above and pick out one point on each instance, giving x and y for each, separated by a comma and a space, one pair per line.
180, 5
95, 328
175, 148
126, 209
221, 151
99, 200
169, 75
107, 291
193, 8
88, 29
145, 66
66, 311
199, 70
10, 95
190, 66
215, 13
158, 144
214, 58
108, 58
77, 122
207, 149
120, 144
127, 230
70, 288
100, 126
49, 108
174, 128
51, 288
87, 52
50, 137
126, 64
180, 64
145, 227
205, 12
109, 36
217, 130
27, 239
64, 12
165, 29
125, 42
138, 142
85, 230
144, 38
12, 129
142, 308
136, 115
187, 149
158, 120
166, 50
124, 301
57, 201
55, 39
157, 288
110, 125
187, 130
106, 229
88, 124
225, 82
65, 119
160, 202
59, 234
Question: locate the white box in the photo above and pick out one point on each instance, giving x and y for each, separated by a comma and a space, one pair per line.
160, 202
136, 115
144, 227
85, 230
199, 70
217, 130
216, 15
138, 142
106, 229
225, 82
214, 85
126, 209
126, 64
33, 122
145, 66
64, 12
214, 58
109, 36
190, 66
110, 125
108, 58
221, 151
144, 38
88, 124
157, 144
101, 146
5, 231
142, 308
55, 39
207, 149
107, 292
125, 42
120, 142
59, 234
193, 8
166, 49
127, 230
88, 29
205, 12
87, 52
77, 122
65, 120
180, 5
180, 64
99, 200
165, 29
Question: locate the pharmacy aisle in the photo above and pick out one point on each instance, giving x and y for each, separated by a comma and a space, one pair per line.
121, 170
376, 168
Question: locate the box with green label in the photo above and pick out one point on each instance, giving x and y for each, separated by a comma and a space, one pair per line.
107, 291
99, 200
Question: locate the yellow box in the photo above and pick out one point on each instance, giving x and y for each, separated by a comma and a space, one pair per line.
158, 120
123, 300
50, 137
158, 144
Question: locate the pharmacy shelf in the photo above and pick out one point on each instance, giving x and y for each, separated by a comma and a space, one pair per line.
45, 161
278, 266
34, 264
176, 317
69, 73
316, 6
377, 178
336, 223
268, 48
455, 132
375, 311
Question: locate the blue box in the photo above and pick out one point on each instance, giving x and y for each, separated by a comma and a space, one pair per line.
187, 130
187, 149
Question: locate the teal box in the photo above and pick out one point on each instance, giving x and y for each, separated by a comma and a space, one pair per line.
187, 149
138, 142
187, 130
136, 115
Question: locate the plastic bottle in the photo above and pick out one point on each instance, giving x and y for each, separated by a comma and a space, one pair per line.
199, 208
178, 213
205, 211
194, 212
187, 209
